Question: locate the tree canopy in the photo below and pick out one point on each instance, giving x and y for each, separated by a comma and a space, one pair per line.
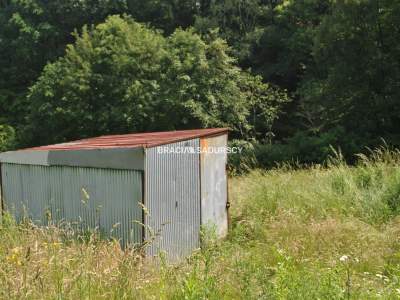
74, 68
121, 76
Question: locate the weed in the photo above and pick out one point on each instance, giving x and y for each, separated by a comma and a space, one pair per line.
290, 229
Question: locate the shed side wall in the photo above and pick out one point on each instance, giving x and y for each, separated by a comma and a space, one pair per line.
173, 199
214, 184
83, 197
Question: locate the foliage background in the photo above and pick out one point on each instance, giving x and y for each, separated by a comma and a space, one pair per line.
290, 77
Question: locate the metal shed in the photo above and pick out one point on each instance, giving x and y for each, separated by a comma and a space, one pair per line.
178, 177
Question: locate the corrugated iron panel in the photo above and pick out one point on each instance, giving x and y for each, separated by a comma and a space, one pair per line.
172, 197
214, 183
106, 199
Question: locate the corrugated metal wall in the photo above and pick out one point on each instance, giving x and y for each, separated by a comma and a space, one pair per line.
172, 196
90, 197
214, 184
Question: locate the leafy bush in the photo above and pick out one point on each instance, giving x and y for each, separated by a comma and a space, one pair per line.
7, 137
301, 149
243, 161
305, 148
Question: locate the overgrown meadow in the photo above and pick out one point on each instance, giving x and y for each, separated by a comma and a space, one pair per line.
325, 232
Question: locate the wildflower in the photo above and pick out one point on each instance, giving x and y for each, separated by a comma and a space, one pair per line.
15, 256
56, 244
53, 245
344, 258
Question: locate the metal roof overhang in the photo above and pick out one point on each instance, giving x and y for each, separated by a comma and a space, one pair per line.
109, 152
134, 140
118, 158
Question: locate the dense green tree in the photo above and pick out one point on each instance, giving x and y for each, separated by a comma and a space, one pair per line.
34, 32
240, 22
355, 81
167, 15
339, 61
122, 76
272, 38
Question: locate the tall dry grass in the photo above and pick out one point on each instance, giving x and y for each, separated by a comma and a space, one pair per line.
318, 233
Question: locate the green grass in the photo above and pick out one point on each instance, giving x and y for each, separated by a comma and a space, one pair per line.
318, 233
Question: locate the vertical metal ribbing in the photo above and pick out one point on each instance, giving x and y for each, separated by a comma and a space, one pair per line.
214, 184
1, 195
144, 205
173, 199
89, 197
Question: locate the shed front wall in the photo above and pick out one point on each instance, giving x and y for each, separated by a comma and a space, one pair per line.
106, 199
172, 199
214, 184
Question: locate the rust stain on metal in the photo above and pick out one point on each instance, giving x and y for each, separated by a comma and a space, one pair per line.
203, 144
135, 140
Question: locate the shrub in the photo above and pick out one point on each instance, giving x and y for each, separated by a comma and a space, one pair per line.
7, 137
243, 162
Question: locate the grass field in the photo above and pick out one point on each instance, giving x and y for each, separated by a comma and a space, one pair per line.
319, 233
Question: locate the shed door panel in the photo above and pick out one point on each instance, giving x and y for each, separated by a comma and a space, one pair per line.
172, 198
214, 184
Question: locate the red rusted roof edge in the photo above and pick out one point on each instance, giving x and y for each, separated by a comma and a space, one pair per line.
135, 140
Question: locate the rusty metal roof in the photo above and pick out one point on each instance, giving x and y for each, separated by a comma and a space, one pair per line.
135, 140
